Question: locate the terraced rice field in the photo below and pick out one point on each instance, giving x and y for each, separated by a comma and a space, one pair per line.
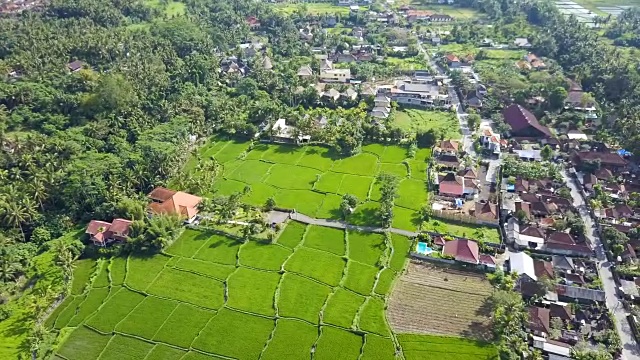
314, 290
440, 301
312, 179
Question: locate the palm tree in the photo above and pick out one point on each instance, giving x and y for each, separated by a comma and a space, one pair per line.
15, 214
38, 191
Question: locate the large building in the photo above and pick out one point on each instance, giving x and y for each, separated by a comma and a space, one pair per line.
523, 123
424, 95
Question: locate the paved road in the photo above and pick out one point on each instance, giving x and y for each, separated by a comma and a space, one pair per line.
629, 346
342, 225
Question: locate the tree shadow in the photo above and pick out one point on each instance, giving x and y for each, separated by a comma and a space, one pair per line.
479, 332
286, 149
365, 217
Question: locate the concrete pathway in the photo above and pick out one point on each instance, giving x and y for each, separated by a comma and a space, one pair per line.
629, 346
339, 224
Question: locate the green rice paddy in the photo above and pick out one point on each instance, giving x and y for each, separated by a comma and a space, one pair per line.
314, 288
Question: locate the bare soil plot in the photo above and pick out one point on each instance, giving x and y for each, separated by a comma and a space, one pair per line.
430, 299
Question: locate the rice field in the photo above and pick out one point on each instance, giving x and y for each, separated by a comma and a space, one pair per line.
312, 179
314, 288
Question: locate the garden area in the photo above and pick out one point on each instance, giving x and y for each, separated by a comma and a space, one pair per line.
412, 121
210, 296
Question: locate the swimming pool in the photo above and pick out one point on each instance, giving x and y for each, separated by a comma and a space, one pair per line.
423, 248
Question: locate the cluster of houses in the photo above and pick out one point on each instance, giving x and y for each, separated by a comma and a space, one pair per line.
162, 201
453, 250
533, 208
566, 303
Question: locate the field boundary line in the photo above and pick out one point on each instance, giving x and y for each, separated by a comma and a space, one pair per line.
448, 289
155, 345
271, 335
173, 267
92, 315
106, 346
202, 329
178, 303
129, 313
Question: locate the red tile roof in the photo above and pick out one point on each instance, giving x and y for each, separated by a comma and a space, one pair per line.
520, 119
452, 58
539, 319
179, 203
462, 250
606, 158
562, 312
451, 184
543, 269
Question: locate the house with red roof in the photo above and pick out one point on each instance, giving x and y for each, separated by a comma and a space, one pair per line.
103, 233
462, 250
167, 201
452, 61
523, 123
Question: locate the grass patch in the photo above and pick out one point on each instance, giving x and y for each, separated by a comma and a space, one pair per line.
304, 201
171, 8
115, 309
292, 177
143, 270
378, 348
263, 255
329, 182
118, 270
228, 187
418, 169
231, 151
126, 348
292, 234
83, 344
217, 271
283, 154
399, 170
93, 300
405, 219
327, 239
222, 334
219, 249
312, 8
102, 280
415, 121
51, 320
251, 171
188, 287
164, 352
319, 265
317, 157
252, 290
330, 208
372, 317
334, 341
418, 347
412, 194
401, 246
146, 319
394, 154
361, 164
409, 63
188, 244
355, 185
301, 298
360, 277
462, 230
81, 274
69, 312
259, 194
292, 340
342, 308
377, 149
385, 281
366, 247
183, 325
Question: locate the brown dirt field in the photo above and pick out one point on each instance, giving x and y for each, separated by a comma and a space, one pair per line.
429, 299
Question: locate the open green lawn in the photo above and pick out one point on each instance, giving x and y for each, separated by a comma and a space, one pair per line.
212, 297
456, 12
411, 63
170, 8
314, 8
413, 120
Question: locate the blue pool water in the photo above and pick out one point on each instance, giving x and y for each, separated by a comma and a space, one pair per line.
423, 248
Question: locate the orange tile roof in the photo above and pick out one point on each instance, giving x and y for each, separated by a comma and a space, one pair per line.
180, 203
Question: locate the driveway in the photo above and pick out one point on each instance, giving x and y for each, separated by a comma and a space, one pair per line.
629, 346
